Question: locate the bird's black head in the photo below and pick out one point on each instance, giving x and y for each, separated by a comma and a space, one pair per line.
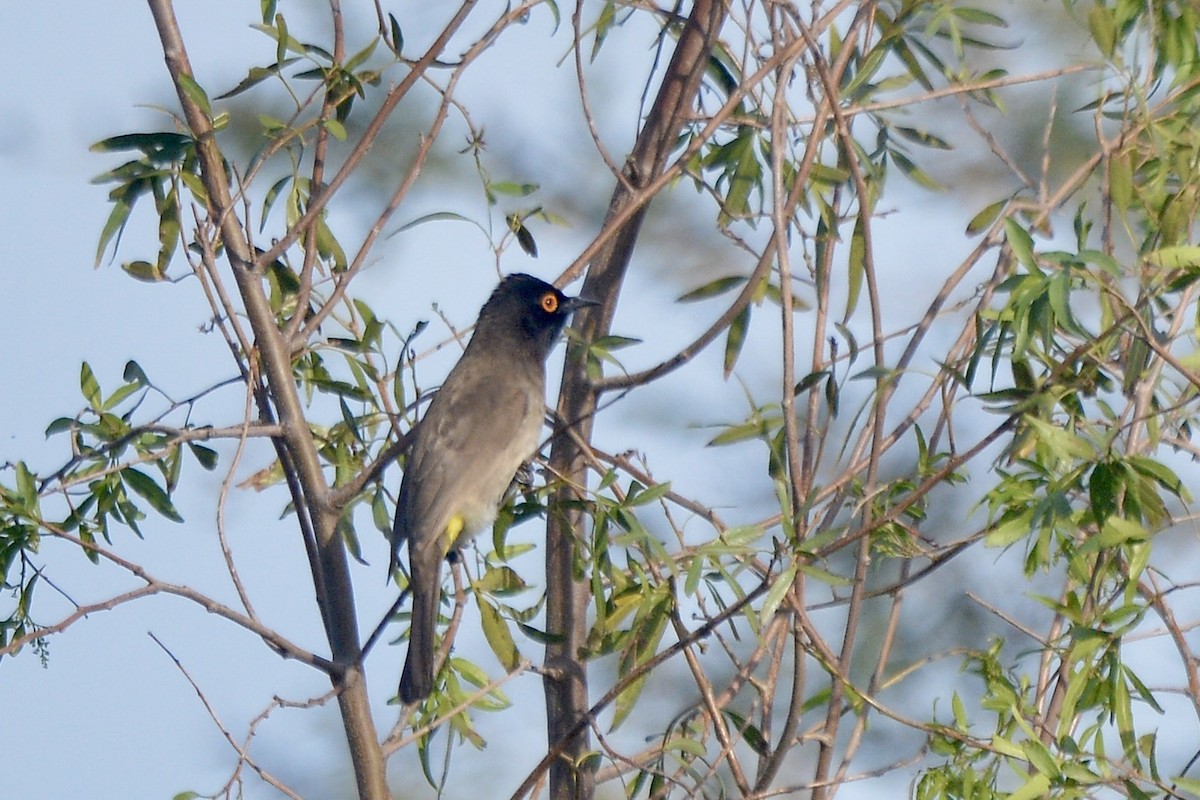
526, 311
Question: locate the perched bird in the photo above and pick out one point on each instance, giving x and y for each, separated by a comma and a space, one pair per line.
481, 426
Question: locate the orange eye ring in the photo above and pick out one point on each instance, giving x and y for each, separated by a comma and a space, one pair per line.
549, 302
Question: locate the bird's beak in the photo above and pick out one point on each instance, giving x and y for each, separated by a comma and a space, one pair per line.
574, 303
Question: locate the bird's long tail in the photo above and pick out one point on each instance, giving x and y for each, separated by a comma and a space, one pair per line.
416, 682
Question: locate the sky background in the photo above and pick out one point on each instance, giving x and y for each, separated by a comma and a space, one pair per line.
112, 717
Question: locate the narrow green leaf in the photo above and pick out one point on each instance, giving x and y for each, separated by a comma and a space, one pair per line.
513, 188
1036, 787
1041, 758
809, 381
978, 16
1103, 488
918, 175
923, 138
856, 267
712, 288
256, 76
500, 581
206, 456
359, 58
1103, 26
1120, 181
434, 217
737, 433
1021, 242
833, 395
1189, 785
540, 636
123, 391
1011, 528
89, 386
58, 426
336, 129
779, 587
149, 490
397, 35
524, 237
26, 486
113, 227
1181, 257
984, 219
195, 92
649, 495
498, 636
144, 271
736, 338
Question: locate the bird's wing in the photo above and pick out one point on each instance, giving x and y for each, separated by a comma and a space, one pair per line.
475, 435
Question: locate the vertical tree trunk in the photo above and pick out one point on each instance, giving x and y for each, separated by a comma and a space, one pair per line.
296, 447
565, 684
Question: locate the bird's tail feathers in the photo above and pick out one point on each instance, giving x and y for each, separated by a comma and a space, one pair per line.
416, 682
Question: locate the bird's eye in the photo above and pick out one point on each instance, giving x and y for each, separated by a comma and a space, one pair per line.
549, 303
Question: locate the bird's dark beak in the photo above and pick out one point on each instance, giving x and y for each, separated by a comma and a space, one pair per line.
574, 303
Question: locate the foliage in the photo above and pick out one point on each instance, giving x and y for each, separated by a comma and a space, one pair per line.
1059, 409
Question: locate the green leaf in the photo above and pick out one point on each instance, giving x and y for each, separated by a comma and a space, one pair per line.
1011, 528
918, 175
144, 271
809, 381
1036, 787
1020, 241
120, 394
736, 338
751, 734
984, 219
779, 587
256, 76
336, 129
59, 425
359, 58
1181, 257
160, 147
738, 433
434, 217
513, 189
397, 43
524, 237
1103, 487
857, 267
206, 456
498, 636
978, 16
114, 226
195, 92
1041, 758
135, 374
501, 580
923, 138
649, 495
712, 288
1120, 181
149, 490
89, 386
1115, 531
1189, 785
26, 486
1103, 27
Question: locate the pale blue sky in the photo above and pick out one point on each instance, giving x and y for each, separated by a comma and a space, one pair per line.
112, 718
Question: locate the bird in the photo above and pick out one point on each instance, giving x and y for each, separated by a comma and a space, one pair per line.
482, 425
